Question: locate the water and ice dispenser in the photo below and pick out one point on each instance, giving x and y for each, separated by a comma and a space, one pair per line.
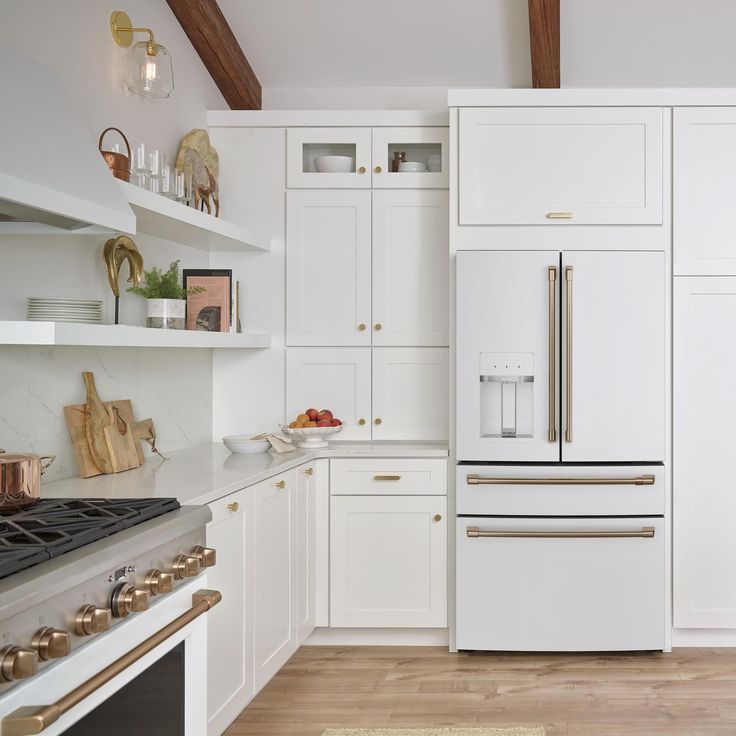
507, 395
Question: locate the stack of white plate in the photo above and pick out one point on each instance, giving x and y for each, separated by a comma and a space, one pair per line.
65, 310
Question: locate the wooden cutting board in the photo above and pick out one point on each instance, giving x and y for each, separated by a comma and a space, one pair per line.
130, 449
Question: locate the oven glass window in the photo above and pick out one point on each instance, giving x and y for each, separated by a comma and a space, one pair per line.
151, 705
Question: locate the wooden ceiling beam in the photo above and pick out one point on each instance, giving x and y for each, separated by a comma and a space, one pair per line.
214, 41
544, 40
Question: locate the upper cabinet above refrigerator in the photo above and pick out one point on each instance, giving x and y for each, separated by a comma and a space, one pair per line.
560, 166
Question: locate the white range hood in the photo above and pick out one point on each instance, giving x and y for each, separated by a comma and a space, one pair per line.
50, 169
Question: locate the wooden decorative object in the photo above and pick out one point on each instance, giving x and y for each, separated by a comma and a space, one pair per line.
544, 40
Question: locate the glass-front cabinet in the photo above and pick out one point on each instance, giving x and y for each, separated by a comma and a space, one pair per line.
411, 158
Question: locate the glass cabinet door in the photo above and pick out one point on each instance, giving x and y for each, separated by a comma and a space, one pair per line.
328, 158
410, 158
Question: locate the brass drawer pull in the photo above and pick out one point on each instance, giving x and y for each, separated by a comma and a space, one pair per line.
646, 532
386, 477
559, 215
281, 484
233, 506
638, 480
361, 169
437, 517
34, 719
309, 471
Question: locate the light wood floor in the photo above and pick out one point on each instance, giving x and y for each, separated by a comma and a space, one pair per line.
689, 692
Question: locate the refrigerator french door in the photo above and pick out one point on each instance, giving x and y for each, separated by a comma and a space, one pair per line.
561, 356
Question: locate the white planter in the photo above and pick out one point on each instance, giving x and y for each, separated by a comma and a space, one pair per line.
168, 314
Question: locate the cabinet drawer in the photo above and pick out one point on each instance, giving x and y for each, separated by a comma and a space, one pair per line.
519, 590
558, 491
391, 477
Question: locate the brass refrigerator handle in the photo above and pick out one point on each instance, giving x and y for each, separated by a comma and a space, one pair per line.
646, 532
568, 354
33, 719
552, 354
637, 480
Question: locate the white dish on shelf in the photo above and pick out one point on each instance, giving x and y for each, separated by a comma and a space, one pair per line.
311, 438
333, 164
242, 444
412, 166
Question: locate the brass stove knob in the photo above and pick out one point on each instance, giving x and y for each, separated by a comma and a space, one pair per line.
185, 567
206, 555
158, 581
127, 599
51, 643
17, 663
92, 620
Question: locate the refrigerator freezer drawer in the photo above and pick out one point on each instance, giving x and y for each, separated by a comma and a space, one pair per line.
507, 490
560, 584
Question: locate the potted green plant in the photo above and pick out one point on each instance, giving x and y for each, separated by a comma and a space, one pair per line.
165, 298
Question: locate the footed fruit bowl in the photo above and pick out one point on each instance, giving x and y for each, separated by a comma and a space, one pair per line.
311, 438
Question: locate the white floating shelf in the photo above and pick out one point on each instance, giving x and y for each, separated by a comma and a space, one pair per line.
157, 215
73, 333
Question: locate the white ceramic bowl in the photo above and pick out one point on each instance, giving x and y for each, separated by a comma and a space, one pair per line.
241, 444
333, 164
415, 166
312, 437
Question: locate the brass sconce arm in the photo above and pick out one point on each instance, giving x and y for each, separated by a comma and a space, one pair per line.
122, 30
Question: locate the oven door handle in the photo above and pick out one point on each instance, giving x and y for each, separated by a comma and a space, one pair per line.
34, 719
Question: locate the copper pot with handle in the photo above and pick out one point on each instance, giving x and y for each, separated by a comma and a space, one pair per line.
20, 479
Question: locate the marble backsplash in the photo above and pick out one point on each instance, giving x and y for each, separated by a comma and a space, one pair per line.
173, 387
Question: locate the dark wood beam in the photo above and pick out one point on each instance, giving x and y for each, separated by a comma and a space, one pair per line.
544, 38
214, 41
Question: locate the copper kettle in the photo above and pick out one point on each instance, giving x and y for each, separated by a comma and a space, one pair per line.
20, 479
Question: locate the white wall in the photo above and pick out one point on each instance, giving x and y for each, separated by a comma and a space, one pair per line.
171, 386
354, 98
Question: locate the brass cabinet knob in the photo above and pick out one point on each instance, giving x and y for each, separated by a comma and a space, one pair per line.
378, 169
158, 581
438, 517
206, 555
361, 326
17, 663
281, 484
127, 599
51, 643
92, 620
361, 170
232, 506
185, 567
361, 422
309, 471
378, 420
378, 327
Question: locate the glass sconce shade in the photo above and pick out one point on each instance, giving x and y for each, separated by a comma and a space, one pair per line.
151, 71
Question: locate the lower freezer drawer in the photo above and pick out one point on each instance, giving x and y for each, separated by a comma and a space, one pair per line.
564, 584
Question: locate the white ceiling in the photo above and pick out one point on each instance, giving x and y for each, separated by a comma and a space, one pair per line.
376, 43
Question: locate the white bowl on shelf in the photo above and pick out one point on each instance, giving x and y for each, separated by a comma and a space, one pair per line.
333, 164
311, 438
242, 444
412, 166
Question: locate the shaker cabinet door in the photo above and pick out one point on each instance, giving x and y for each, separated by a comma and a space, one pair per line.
328, 267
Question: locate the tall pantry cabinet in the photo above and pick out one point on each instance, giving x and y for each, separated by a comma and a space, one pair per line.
367, 279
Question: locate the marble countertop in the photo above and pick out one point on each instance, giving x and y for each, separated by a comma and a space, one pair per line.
203, 474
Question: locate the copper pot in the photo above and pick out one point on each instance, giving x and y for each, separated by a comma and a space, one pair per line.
20, 479
116, 162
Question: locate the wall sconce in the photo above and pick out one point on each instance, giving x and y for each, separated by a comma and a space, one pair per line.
151, 73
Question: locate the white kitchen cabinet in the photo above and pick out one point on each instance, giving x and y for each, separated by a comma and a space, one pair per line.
410, 393
704, 586
230, 683
425, 145
410, 262
306, 550
331, 378
328, 267
704, 191
304, 145
388, 561
616, 380
275, 587
560, 166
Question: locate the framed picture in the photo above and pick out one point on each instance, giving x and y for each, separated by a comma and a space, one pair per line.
209, 310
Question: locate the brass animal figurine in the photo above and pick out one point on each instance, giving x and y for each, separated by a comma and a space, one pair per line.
202, 195
116, 251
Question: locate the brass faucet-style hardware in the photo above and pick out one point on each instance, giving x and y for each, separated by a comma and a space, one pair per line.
552, 354
646, 532
233, 506
386, 477
206, 555
559, 215
185, 566
361, 170
637, 480
361, 422
158, 582
378, 169
35, 719
51, 643
568, 354
281, 484
308, 471
361, 326
378, 420
378, 327
127, 599
92, 620
17, 663
437, 517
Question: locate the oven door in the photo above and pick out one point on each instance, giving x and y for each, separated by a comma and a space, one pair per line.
144, 676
